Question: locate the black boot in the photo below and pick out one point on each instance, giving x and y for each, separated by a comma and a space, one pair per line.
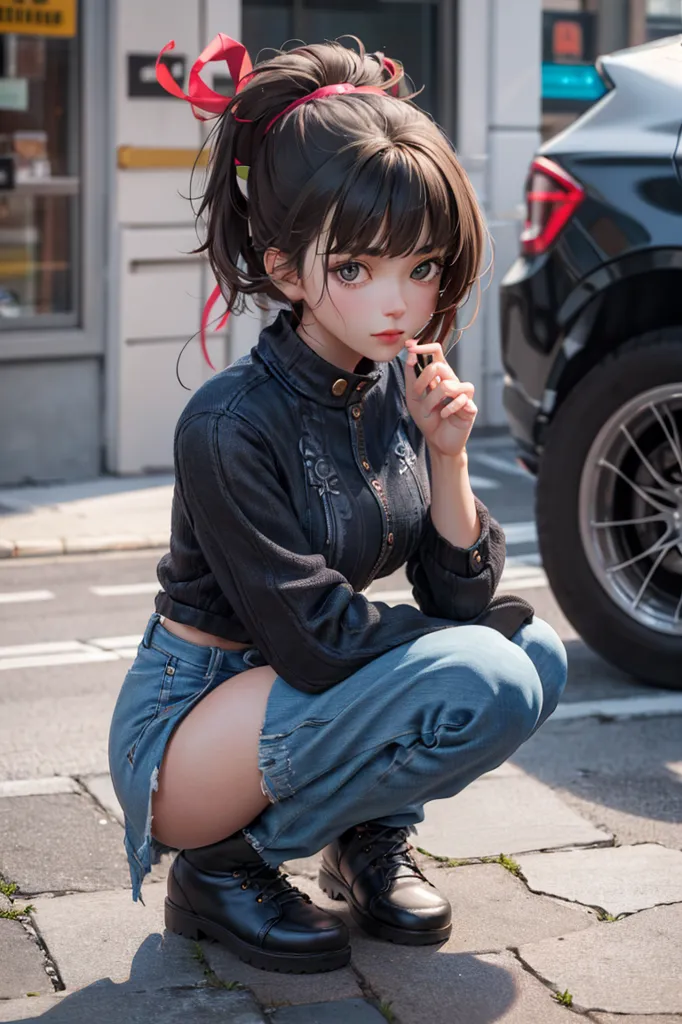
227, 892
370, 866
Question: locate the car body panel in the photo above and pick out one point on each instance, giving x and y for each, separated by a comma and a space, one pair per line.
626, 152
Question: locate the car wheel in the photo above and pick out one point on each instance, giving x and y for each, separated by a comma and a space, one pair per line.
609, 507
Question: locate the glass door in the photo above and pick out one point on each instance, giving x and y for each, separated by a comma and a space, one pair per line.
40, 196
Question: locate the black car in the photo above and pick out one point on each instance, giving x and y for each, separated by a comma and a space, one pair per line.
592, 348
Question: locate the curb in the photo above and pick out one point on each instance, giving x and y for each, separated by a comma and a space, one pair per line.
81, 545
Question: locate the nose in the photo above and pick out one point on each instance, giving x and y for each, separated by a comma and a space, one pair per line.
393, 301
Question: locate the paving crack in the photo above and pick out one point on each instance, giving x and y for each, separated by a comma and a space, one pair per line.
384, 1006
552, 988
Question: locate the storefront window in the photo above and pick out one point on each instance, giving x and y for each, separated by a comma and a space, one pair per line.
404, 30
40, 164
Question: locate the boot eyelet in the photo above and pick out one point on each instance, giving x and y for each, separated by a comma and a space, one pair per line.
366, 849
259, 899
236, 874
245, 885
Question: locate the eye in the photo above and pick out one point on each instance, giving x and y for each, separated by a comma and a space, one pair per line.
350, 273
427, 271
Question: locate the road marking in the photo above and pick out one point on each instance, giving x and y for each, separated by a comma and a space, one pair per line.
126, 590
483, 483
21, 596
521, 533
63, 652
502, 465
621, 707
38, 787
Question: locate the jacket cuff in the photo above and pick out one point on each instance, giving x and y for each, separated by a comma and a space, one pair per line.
466, 562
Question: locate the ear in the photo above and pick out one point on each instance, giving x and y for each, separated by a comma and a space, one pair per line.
286, 279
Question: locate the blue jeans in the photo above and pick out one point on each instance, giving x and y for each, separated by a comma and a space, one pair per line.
418, 723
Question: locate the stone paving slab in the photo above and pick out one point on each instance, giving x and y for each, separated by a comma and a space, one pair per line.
21, 962
628, 966
102, 788
105, 935
503, 815
107, 1003
620, 879
60, 843
347, 1011
425, 984
273, 989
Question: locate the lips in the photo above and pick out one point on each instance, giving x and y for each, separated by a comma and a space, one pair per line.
388, 334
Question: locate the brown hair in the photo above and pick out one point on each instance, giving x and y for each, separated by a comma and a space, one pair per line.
375, 169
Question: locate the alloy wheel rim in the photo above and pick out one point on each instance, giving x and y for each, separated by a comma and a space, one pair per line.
630, 508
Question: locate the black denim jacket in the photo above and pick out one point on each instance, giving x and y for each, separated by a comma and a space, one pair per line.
297, 484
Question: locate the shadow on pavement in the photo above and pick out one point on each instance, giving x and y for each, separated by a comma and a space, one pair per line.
470, 991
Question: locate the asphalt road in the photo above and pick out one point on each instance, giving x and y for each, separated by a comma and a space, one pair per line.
68, 626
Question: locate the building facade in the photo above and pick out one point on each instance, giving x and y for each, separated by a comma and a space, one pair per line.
99, 288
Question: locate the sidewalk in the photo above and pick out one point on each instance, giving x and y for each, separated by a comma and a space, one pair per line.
107, 514
581, 924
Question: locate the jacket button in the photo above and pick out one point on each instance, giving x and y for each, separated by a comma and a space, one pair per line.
365, 464
390, 538
339, 386
476, 558
357, 412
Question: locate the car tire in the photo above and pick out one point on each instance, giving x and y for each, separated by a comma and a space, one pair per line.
569, 474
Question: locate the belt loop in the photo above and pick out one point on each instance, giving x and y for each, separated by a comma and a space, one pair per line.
213, 662
153, 621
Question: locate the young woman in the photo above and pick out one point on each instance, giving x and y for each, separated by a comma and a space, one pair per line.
273, 710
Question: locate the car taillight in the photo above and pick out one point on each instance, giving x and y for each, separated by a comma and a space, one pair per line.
552, 197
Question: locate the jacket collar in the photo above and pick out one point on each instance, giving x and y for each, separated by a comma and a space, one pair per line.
288, 356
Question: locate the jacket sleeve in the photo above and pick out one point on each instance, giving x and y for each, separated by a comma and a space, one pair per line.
457, 583
309, 623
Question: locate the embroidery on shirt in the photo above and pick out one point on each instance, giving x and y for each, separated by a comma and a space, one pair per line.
322, 476
405, 455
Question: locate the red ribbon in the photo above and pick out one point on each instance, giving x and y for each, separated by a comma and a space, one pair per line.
203, 99
206, 104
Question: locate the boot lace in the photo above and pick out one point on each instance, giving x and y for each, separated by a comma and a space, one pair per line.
395, 851
270, 883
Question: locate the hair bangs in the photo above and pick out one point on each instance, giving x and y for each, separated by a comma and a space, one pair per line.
395, 204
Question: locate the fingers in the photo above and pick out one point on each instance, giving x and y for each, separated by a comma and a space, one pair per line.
449, 394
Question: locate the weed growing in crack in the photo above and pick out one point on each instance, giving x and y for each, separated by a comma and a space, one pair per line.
8, 889
449, 862
212, 978
563, 998
603, 915
386, 1009
505, 861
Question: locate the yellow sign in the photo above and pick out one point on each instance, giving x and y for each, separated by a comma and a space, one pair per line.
38, 17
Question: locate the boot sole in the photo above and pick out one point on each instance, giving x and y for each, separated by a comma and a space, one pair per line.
337, 889
191, 926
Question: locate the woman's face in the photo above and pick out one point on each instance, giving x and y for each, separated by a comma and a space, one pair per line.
367, 305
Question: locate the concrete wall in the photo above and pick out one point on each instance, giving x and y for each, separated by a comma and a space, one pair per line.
50, 416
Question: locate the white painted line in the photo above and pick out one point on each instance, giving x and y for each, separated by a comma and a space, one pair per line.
53, 660
126, 590
483, 483
116, 643
55, 647
38, 787
521, 533
621, 707
502, 465
22, 596
531, 560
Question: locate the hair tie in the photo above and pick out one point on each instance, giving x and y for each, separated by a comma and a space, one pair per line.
207, 104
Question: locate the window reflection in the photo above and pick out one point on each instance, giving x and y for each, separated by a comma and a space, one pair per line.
40, 210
